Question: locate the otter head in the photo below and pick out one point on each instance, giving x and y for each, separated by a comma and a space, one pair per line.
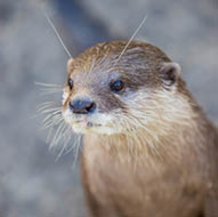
111, 94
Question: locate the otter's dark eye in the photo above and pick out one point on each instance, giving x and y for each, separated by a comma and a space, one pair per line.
70, 83
117, 86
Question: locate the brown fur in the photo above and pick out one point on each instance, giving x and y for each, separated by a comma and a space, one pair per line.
163, 160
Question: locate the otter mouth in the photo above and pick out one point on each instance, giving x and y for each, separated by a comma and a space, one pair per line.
86, 127
86, 124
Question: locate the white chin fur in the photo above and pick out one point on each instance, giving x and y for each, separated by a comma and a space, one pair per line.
99, 124
96, 130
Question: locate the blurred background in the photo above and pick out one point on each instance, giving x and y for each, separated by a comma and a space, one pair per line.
32, 182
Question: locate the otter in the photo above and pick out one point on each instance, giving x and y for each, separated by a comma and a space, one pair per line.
149, 149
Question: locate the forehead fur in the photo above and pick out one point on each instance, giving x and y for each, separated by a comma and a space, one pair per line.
138, 54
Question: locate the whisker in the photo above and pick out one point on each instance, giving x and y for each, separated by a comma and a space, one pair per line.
65, 144
45, 92
48, 88
56, 136
50, 122
47, 104
77, 151
57, 34
48, 110
49, 85
133, 36
68, 135
60, 135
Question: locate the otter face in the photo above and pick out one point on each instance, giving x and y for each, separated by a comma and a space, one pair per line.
109, 94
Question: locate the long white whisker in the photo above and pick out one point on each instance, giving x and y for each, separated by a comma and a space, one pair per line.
48, 110
66, 136
48, 139
55, 113
57, 34
133, 36
77, 151
46, 105
43, 84
63, 149
43, 108
56, 136
45, 92
51, 122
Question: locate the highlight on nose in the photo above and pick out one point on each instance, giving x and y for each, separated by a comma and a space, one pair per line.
82, 106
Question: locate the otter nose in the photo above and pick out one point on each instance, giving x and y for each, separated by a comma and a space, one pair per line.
82, 106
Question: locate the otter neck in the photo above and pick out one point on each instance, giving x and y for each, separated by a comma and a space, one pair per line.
145, 148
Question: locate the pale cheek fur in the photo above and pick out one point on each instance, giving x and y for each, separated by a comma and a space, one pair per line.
139, 105
147, 109
64, 96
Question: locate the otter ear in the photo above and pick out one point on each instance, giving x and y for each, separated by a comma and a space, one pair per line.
70, 65
170, 72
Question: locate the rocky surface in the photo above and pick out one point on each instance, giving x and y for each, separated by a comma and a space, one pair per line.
32, 182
